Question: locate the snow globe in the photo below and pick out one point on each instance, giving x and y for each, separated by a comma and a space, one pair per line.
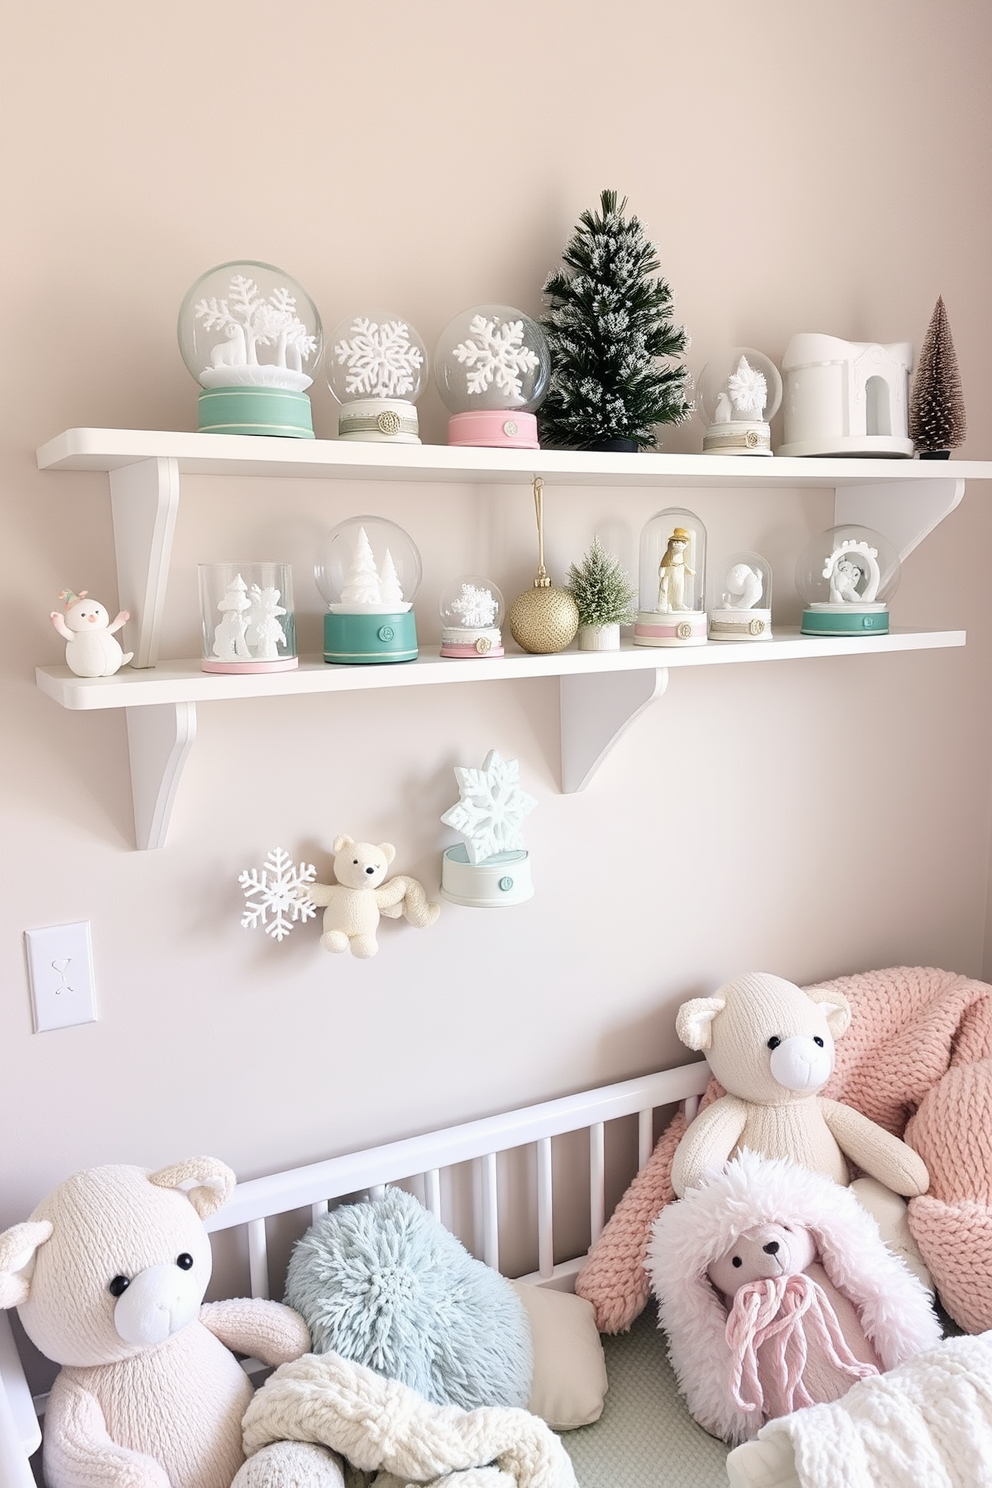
846, 577
492, 365
376, 368
742, 605
491, 868
672, 580
738, 392
247, 622
471, 613
368, 573
251, 337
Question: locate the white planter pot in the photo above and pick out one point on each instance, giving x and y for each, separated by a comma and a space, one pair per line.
599, 638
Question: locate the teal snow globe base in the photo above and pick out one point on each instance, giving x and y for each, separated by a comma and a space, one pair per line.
363, 640
255, 410
846, 577
845, 620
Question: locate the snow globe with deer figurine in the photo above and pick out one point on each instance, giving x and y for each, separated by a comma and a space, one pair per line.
738, 392
741, 607
376, 368
492, 365
672, 580
472, 611
247, 622
368, 572
846, 577
251, 336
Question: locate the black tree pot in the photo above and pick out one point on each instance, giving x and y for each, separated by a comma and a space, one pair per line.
620, 445
935, 454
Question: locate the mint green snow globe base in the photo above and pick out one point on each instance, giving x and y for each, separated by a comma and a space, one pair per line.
495, 883
364, 640
845, 620
255, 410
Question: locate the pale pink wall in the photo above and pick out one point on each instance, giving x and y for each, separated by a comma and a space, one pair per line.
801, 168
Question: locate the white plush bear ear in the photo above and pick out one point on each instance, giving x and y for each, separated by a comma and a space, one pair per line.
388, 851
340, 843
206, 1181
17, 1252
694, 1021
837, 1009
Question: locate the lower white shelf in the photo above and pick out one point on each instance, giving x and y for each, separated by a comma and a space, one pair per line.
601, 695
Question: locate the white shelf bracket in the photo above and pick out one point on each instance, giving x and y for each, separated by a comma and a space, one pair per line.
903, 511
144, 501
159, 738
596, 709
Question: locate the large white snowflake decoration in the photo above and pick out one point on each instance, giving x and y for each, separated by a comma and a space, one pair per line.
382, 360
274, 896
492, 807
497, 356
748, 389
475, 607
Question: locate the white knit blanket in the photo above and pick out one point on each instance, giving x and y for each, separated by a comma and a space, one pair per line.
926, 1424
381, 1425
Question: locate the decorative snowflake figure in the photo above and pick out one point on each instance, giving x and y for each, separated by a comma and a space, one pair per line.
748, 389
475, 607
492, 807
497, 356
382, 360
275, 896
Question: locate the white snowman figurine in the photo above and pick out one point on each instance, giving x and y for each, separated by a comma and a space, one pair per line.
91, 647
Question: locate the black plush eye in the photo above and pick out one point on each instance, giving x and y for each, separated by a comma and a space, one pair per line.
119, 1285
774, 1041
818, 1041
737, 1261
184, 1261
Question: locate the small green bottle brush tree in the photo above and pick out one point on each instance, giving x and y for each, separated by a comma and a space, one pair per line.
936, 407
614, 349
601, 588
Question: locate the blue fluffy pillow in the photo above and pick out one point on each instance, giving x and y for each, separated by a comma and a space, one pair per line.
386, 1285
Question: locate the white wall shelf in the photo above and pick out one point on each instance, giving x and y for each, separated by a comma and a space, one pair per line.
601, 694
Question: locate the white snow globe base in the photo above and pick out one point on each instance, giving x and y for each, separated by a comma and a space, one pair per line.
738, 437
495, 883
379, 421
469, 643
599, 637
678, 628
248, 409
740, 625
845, 619
494, 428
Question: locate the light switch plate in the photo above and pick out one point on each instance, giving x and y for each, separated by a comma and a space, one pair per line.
60, 966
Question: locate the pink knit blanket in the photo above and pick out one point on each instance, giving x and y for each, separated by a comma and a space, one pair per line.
917, 1059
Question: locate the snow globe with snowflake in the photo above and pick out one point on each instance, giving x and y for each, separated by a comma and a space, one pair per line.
846, 577
672, 580
376, 368
251, 336
247, 623
492, 364
491, 868
471, 611
738, 392
368, 571
741, 604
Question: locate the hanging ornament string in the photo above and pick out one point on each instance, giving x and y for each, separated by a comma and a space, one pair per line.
543, 580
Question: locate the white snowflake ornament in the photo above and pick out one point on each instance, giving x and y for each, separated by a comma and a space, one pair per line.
496, 354
383, 359
275, 895
492, 807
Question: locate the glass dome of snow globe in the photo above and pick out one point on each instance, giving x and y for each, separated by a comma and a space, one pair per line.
472, 610
738, 392
376, 367
368, 572
672, 580
741, 605
492, 364
251, 337
846, 577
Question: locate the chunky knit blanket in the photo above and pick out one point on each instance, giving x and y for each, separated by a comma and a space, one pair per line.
917, 1059
382, 1425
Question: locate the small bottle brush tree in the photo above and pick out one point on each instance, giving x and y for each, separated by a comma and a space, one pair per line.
609, 325
601, 588
936, 407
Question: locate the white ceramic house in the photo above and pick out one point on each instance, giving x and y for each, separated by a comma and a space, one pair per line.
845, 397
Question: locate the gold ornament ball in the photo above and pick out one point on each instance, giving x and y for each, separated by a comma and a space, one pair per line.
544, 619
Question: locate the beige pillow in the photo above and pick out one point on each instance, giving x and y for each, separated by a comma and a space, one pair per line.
569, 1382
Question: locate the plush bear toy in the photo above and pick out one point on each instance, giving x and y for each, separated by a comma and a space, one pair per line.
108, 1277
352, 906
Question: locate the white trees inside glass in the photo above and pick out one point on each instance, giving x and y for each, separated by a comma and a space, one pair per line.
672, 580
368, 572
492, 366
741, 606
247, 623
739, 391
846, 577
376, 368
471, 611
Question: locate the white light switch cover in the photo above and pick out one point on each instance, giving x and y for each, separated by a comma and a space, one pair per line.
60, 965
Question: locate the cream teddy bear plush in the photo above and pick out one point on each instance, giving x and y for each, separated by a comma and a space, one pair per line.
108, 1277
352, 906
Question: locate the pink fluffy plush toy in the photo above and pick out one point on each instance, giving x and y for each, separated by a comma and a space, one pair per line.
776, 1292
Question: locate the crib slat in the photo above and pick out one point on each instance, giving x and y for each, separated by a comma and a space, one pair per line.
645, 1135
258, 1258
318, 1210
432, 1192
490, 1212
691, 1107
597, 1180
545, 1210
377, 1192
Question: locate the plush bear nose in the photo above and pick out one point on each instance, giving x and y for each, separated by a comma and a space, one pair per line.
771, 1248
370, 870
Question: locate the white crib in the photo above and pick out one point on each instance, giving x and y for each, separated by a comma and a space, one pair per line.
512, 1172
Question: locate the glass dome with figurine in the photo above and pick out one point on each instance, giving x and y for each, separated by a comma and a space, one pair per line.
741, 608
251, 337
368, 572
738, 392
846, 577
492, 366
471, 614
672, 580
376, 367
